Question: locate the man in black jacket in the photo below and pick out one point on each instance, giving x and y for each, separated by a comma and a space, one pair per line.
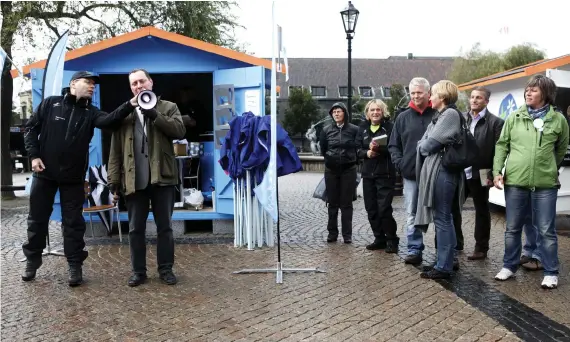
57, 140
378, 176
486, 128
339, 146
409, 128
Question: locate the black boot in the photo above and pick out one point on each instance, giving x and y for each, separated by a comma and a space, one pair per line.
75, 275
376, 245
413, 259
455, 266
31, 268
435, 274
168, 277
137, 279
392, 247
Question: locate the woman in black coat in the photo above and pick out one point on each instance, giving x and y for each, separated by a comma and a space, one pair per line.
378, 176
339, 147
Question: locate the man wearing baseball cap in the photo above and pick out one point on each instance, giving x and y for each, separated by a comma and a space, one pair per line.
57, 140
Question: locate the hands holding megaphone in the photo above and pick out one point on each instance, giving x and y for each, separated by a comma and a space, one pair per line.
146, 100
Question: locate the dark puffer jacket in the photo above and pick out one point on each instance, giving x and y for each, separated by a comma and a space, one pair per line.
340, 145
380, 166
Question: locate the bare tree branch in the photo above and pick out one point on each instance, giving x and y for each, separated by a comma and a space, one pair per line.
131, 15
51, 27
57, 14
111, 32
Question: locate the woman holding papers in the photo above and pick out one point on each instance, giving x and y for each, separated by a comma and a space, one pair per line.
378, 176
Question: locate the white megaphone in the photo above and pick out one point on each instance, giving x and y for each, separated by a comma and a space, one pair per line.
146, 99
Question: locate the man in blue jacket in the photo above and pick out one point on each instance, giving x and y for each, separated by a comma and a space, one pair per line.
409, 128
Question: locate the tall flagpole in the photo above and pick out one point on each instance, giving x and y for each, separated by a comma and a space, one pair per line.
273, 153
271, 172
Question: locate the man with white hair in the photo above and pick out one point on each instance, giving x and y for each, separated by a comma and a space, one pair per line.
409, 128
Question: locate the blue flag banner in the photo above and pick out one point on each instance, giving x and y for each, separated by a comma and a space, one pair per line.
53, 75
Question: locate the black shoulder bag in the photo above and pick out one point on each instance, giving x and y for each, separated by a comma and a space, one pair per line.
462, 153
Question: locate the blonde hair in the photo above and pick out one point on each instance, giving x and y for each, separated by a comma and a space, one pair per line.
446, 90
379, 103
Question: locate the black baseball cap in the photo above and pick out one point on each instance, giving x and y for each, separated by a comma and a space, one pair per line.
85, 74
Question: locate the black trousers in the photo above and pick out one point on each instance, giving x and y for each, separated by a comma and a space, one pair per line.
162, 200
72, 197
480, 195
378, 195
340, 191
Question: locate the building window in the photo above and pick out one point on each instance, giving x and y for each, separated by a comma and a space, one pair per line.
386, 92
295, 87
343, 91
318, 91
366, 91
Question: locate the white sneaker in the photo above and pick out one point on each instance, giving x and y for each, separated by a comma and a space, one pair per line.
504, 274
550, 282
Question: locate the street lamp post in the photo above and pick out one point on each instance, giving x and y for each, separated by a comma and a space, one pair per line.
349, 18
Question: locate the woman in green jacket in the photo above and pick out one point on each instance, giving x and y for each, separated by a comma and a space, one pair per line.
533, 143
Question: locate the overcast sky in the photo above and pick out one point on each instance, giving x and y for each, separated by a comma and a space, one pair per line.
313, 28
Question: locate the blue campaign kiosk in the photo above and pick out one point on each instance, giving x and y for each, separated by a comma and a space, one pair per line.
225, 82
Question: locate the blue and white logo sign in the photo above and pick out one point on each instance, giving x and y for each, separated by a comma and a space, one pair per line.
508, 105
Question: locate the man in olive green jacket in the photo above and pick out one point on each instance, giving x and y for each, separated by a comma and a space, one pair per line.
143, 167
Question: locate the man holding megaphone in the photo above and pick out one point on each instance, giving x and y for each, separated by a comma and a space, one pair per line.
143, 168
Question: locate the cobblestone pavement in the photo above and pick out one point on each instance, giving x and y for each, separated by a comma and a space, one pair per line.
363, 296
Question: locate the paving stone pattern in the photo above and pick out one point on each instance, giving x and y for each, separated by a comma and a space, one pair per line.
363, 296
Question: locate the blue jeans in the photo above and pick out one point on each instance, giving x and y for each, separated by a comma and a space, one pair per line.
415, 236
444, 194
532, 240
542, 204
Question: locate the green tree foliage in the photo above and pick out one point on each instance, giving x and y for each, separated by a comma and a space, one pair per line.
477, 63
302, 111
520, 55
31, 22
397, 99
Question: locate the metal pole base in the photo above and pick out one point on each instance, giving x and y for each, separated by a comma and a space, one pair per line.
48, 251
279, 271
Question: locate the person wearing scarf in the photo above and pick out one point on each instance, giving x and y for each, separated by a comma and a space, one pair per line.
439, 187
533, 144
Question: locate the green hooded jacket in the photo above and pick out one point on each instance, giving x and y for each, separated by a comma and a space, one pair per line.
532, 161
